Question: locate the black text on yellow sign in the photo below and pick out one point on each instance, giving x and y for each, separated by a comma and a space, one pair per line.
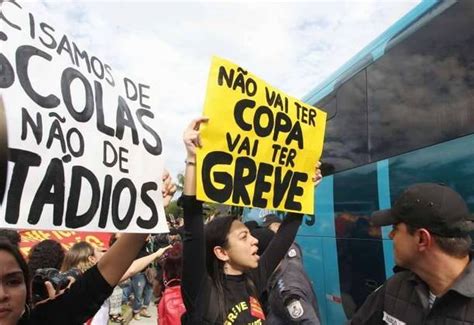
260, 145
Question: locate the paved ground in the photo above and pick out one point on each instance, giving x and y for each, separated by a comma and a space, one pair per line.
147, 321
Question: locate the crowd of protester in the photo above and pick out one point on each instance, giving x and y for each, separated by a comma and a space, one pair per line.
215, 269
49, 258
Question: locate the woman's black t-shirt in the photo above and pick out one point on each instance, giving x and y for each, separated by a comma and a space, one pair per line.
242, 304
75, 306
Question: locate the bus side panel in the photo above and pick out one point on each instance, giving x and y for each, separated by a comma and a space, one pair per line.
317, 240
335, 311
313, 259
451, 163
383, 184
359, 245
322, 223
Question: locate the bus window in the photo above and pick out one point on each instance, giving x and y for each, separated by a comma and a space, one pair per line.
359, 248
329, 105
345, 145
422, 91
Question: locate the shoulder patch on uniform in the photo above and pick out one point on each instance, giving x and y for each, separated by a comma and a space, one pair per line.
389, 319
295, 309
292, 252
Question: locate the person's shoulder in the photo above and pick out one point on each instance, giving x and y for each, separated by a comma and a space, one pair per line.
401, 276
395, 280
402, 279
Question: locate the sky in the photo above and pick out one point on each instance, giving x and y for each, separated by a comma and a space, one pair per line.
292, 45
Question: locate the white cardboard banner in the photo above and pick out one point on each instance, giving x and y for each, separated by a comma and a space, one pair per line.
85, 150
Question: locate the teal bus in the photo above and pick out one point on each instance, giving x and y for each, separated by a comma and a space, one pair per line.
400, 112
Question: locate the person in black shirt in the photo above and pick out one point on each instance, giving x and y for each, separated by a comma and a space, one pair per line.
83, 298
223, 276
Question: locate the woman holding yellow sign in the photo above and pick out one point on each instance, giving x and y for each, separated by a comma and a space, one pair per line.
223, 276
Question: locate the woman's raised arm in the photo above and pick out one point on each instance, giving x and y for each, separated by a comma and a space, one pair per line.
194, 260
121, 255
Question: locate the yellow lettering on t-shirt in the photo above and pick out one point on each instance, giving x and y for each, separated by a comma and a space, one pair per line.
235, 311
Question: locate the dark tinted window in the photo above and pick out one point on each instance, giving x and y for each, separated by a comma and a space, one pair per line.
329, 105
422, 91
359, 248
345, 144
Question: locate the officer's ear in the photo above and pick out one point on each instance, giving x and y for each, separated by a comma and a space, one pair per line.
425, 239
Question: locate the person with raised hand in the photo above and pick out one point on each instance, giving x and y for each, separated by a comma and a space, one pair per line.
223, 276
83, 298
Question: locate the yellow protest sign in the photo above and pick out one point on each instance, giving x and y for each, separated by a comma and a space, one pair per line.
260, 145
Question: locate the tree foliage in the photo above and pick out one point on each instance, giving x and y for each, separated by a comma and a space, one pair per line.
174, 209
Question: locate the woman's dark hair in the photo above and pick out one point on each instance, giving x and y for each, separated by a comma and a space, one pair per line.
11, 235
216, 233
47, 253
5, 245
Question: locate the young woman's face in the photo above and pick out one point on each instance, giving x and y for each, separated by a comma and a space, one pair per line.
12, 290
98, 253
242, 248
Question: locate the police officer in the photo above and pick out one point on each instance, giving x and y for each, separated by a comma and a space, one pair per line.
291, 299
431, 225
